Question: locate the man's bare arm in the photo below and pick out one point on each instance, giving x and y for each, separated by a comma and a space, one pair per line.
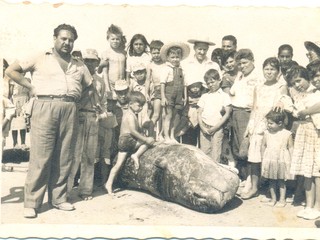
15, 72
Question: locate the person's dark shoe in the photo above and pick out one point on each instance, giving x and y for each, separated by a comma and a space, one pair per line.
29, 213
317, 223
64, 206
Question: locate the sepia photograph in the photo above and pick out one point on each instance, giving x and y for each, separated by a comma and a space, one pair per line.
139, 120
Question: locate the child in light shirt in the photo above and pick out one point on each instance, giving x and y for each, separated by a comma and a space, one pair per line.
214, 110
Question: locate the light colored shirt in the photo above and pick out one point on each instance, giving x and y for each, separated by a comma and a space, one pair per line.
167, 73
309, 101
48, 78
132, 61
242, 89
155, 72
195, 71
212, 104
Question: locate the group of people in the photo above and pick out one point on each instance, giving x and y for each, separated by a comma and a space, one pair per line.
86, 109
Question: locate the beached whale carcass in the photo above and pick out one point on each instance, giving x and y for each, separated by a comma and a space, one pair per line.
182, 174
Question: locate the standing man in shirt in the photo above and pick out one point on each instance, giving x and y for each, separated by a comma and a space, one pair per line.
195, 68
57, 83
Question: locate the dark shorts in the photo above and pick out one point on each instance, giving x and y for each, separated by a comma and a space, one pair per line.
157, 92
127, 143
174, 95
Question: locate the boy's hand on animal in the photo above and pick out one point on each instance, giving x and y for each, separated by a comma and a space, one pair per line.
150, 140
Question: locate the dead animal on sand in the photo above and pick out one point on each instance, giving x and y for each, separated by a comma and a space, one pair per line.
182, 174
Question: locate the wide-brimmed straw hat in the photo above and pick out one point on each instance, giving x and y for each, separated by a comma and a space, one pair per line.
205, 40
138, 66
121, 85
90, 54
185, 50
315, 46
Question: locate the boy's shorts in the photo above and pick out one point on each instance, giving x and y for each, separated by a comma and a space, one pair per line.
174, 95
127, 143
157, 92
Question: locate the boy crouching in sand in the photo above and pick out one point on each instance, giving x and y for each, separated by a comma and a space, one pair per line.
130, 137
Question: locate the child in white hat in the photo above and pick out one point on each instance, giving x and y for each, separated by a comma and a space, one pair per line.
173, 89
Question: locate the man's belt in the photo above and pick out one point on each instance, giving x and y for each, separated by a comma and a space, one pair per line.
87, 110
63, 98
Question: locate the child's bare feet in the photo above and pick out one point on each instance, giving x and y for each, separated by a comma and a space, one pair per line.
135, 160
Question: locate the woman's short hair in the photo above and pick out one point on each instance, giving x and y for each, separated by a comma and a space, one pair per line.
244, 53
273, 62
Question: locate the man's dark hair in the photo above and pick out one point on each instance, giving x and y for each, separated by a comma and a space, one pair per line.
285, 47
65, 27
230, 38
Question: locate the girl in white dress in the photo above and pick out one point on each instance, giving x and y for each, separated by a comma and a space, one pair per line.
276, 152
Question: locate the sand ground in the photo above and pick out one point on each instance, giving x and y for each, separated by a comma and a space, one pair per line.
136, 208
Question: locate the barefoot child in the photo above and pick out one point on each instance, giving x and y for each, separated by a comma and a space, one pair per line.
113, 61
276, 152
214, 110
130, 137
173, 89
112, 66
153, 86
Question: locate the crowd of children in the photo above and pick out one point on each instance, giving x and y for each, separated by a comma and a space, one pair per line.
267, 127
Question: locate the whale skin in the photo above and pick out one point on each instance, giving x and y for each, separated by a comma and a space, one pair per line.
182, 174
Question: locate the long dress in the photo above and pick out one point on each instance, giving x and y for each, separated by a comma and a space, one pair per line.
276, 159
266, 97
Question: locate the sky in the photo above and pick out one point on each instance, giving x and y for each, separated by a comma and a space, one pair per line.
27, 28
